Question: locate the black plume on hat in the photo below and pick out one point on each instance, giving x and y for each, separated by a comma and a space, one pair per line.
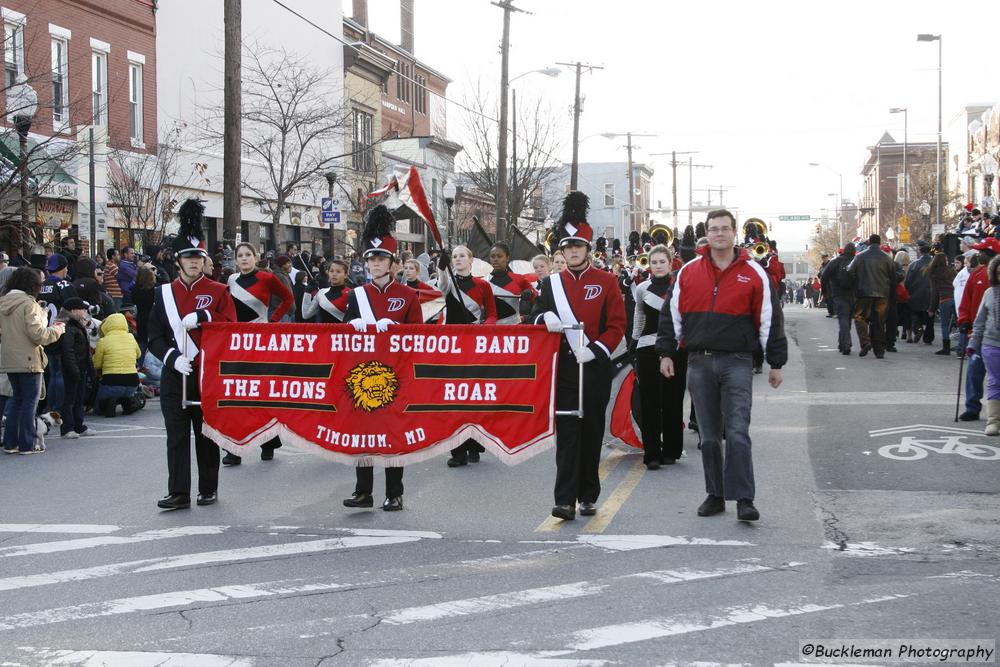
601, 244
572, 222
699, 231
191, 215
688, 242
633, 243
377, 236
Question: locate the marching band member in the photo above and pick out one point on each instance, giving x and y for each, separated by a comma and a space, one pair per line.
327, 306
380, 303
581, 293
252, 291
558, 262
411, 273
509, 289
542, 266
662, 398
179, 308
468, 300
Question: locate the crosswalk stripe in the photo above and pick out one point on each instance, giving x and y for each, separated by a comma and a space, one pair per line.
203, 558
133, 658
80, 528
627, 633
608, 463
92, 542
609, 508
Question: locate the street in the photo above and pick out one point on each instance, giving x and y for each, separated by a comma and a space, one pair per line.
878, 520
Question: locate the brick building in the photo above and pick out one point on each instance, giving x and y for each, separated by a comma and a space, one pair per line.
91, 65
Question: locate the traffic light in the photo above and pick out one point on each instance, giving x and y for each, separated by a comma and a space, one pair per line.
817, 227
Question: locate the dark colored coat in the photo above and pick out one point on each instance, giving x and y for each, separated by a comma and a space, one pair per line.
918, 284
74, 347
874, 273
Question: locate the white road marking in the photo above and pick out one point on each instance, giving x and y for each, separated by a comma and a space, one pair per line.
56, 528
538, 659
204, 558
134, 658
627, 633
633, 542
866, 549
92, 542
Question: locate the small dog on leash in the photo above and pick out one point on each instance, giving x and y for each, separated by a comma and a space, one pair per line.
44, 423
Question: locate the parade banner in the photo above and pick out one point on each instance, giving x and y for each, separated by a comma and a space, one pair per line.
380, 398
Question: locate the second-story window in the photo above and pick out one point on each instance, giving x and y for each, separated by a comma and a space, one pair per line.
135, 102
362, 156
403, 82
609, 194
99, 87
13, 46
420, 95
60, 84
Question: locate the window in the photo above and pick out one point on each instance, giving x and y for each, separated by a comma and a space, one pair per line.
60, 84
135, 103
13, 46
403, 71
99, 87
420, 95
901, 187
609, 194
362, 158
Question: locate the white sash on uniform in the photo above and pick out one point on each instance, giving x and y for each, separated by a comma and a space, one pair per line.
565, 312
364, 305
324, 302
180, 333
241, 294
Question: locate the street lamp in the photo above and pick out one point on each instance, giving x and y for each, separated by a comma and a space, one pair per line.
840, 201
925, 212
925, 37
989, 165
906, 178
22, 105
331, 181
449, 199
548, 71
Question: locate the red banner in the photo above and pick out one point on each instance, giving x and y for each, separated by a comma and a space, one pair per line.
383, 399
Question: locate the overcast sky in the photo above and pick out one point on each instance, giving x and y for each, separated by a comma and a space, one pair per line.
758, 89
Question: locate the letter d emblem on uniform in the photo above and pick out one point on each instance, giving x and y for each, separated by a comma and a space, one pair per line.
202, 301
591, 292
395, 304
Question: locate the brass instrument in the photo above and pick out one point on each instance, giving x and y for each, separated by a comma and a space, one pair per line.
642, 261
549, 238
754, 228
662, 235
759, 251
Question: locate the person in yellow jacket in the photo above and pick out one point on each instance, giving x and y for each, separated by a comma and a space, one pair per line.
115, 358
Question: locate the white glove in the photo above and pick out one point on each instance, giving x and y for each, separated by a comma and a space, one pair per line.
359, 325
552, 322
584, 355
383, 324
182, 365
190, 321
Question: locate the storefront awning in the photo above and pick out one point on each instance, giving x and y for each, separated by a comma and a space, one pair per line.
45, 162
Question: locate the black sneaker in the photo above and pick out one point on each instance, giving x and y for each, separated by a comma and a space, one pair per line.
231, 459
207, 498
969, 416
174, 501
712, 505
865, 349
455, 462
588, 509
564, 512
392, 504
745, 511
359, 500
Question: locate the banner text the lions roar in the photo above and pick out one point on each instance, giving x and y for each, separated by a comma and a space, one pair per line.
384, 399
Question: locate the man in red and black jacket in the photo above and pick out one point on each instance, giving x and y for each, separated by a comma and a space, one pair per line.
179, 308
721, 304
584, 294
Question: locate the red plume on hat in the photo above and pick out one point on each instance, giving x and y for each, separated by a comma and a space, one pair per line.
377, 238
572, 224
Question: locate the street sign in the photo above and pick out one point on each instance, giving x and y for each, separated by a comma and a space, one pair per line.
794, 218
327, 214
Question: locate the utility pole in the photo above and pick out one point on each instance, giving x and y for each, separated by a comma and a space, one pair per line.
673, 166
691, 167
513, 158
232, 136
501, 231
576, 120
631, 187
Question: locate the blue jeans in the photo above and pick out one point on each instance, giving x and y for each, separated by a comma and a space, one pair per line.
974, 384
106, 391
721, 386
946, 315
55, 387
20, 431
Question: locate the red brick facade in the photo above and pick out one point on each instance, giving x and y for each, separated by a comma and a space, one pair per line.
123, 25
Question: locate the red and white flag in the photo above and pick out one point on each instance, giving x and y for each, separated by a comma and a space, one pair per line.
407, 191
621, 417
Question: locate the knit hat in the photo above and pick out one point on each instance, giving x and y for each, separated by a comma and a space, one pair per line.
75, 303
282, 260
56, 263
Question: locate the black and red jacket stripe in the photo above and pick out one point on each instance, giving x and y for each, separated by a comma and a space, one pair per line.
507, 290
723, 311
262, 285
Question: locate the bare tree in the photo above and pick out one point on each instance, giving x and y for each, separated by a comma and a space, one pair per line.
826, 239
291, 127
536, 146
923, 188
147, 188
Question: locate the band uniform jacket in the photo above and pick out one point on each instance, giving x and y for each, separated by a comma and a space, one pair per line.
593, 298
650, 297
507, 290
468, 300
326, 306
395, 301
171, 302
252, 293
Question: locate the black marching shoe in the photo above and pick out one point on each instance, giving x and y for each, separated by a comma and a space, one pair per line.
564, 512
392, 504
473, 457
865, 349
846, 351
891, 348
455, 462
745, 511
266, 453
359, 500
207, 498
175, 501
588, 509
231, 459
969, 416
712, 505
652, 465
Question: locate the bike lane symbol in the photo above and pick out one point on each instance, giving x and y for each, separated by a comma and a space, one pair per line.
915, 449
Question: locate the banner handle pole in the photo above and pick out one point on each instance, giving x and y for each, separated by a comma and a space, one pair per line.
185, 403
579, 400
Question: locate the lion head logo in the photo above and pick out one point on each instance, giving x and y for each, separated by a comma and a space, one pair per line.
373, 385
